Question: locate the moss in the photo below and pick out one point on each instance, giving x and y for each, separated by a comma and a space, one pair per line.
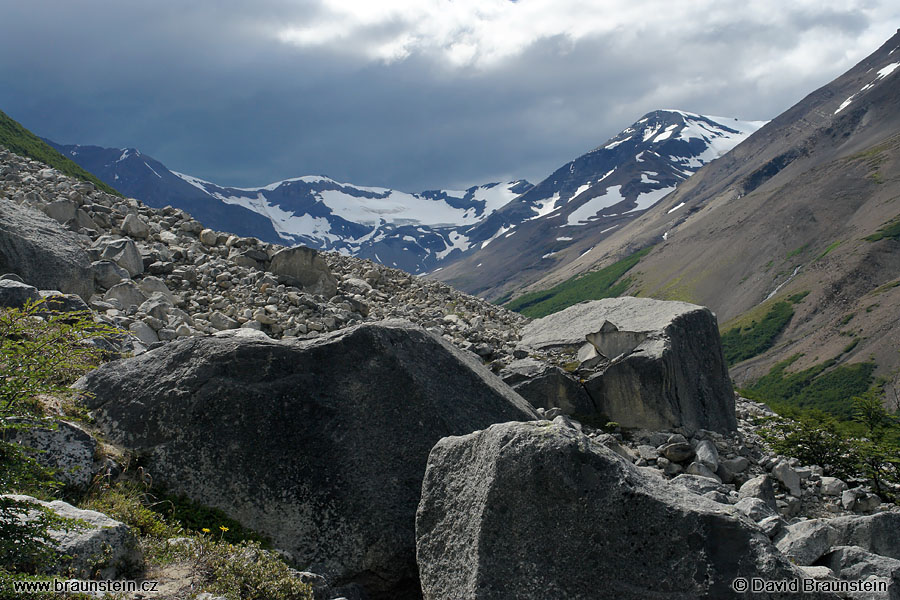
850, 346
797, 251
798, 297
886, 287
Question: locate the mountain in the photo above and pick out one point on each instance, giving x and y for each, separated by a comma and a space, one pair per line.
447, 232
414, 232
804, 211
589, 198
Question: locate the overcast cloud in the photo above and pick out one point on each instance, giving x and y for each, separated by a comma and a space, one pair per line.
409, 94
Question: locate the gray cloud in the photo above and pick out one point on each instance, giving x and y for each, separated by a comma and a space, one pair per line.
410, 98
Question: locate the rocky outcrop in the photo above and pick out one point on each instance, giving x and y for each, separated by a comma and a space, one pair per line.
539, 510
852, 563
15, 294
93, 545
320, 444
648, 364
37, 249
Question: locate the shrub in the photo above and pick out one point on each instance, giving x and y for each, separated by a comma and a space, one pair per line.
742, 343
40, 352
596, 285
43, 352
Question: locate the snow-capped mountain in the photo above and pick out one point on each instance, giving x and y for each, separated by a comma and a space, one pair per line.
588, 198
415, 232
479, 237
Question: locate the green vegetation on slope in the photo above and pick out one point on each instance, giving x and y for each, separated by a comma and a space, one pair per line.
889, 230
595, 285
818, 388
752, 340
24, 143
828, 250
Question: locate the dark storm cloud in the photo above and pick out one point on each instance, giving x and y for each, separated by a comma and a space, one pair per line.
414, 95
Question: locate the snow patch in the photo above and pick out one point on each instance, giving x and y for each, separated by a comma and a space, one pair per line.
674, 208
648, 199
581, 189
785, 282
583, 213
500, 232
544, 207
151, 169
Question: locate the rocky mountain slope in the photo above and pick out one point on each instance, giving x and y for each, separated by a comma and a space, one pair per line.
266, 382
414, 232
590, 198
806, 204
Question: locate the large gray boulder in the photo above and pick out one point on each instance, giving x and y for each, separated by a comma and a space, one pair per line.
61, 446
15, 294
39, 250
805, 542
320, 444
122, 251
303, 267
852, 563
539, 510
659, 365
93, 546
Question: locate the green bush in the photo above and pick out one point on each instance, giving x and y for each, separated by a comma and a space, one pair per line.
864, 447
596, 285
742, 343
814, 438
42, 352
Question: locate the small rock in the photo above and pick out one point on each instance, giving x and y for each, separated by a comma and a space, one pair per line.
788, 477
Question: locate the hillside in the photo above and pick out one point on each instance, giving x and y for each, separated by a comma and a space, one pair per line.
807, 205
17, 139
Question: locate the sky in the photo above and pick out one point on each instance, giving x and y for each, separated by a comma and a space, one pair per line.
408, 94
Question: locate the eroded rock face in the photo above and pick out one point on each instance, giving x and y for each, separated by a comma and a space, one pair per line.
539, 510
36, 248
655, 365
320, 444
